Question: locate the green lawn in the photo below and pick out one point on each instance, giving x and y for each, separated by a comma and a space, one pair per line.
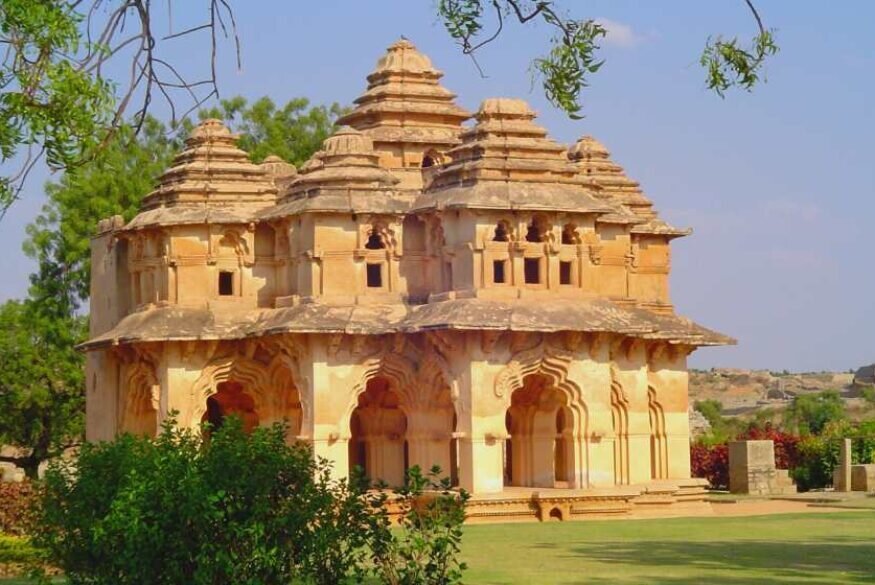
810, 549
803, 549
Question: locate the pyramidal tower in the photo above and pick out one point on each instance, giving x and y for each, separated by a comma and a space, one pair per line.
411, 118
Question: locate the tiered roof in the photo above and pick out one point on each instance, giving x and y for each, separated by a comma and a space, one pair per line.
405, 102
210, 181
506, 161
594, 162
343, 177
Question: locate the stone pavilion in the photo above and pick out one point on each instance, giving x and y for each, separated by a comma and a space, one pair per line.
431, 288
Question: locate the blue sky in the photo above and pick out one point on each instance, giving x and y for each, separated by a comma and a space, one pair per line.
779, 185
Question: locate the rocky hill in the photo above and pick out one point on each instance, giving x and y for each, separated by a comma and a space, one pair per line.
743, 391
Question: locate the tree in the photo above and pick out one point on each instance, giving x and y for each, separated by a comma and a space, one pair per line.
57, 103
293, 132
810, 413
42, 397
121, 174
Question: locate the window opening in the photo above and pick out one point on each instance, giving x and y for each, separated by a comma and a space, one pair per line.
226, 284
498, 275
375, 275
532, 269
564, 272
533, 234
500, 233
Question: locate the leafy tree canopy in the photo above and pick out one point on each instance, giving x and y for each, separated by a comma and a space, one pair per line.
811, 413
42, 394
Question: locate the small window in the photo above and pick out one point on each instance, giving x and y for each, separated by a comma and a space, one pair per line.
375, 275
532, 269
564, 272
533, 234
226, 284
498, 276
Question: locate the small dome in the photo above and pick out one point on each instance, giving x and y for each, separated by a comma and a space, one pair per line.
210, 128
402, 56
347, 141
505, 107
588, 147
276, 168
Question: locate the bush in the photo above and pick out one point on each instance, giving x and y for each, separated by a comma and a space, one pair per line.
818, 457
15, 501
236, 508
712, 463
16, 550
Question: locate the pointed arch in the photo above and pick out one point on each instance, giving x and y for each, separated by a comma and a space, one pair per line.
272, 386
552, 363
658, 443
141, 402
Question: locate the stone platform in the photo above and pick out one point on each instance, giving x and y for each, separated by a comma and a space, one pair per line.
656, 499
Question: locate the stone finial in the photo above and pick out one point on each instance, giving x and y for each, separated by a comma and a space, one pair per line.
506, 108
588, 148
211, 129
403, 56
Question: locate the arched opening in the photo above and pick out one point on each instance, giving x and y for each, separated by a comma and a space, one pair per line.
378, 428
537, 454
533, 233
569, 234
620, 424
375, 242
230, 399
502, 232
658, 452
556, 514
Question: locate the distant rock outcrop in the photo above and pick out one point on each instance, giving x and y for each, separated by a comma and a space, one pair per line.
865, 375
743, 391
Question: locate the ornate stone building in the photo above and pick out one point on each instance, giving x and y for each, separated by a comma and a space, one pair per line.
420, 292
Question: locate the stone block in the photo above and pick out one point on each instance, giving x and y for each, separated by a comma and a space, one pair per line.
863, 478
752, 470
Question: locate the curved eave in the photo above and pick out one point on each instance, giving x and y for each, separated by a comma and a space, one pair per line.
590, 316
505, 195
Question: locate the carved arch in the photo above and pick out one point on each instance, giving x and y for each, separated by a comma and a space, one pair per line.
658, 443
269, 385
141, 399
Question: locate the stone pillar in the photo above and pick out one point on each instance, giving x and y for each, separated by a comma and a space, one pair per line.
841, 478
487, 476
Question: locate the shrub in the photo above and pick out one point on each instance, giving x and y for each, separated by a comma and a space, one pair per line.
818, 457
236, 508
15, 501
711, 462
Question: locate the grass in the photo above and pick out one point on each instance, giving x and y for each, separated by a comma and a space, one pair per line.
798, 549
803, 549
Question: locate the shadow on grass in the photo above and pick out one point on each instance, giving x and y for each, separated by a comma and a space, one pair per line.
831, 561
